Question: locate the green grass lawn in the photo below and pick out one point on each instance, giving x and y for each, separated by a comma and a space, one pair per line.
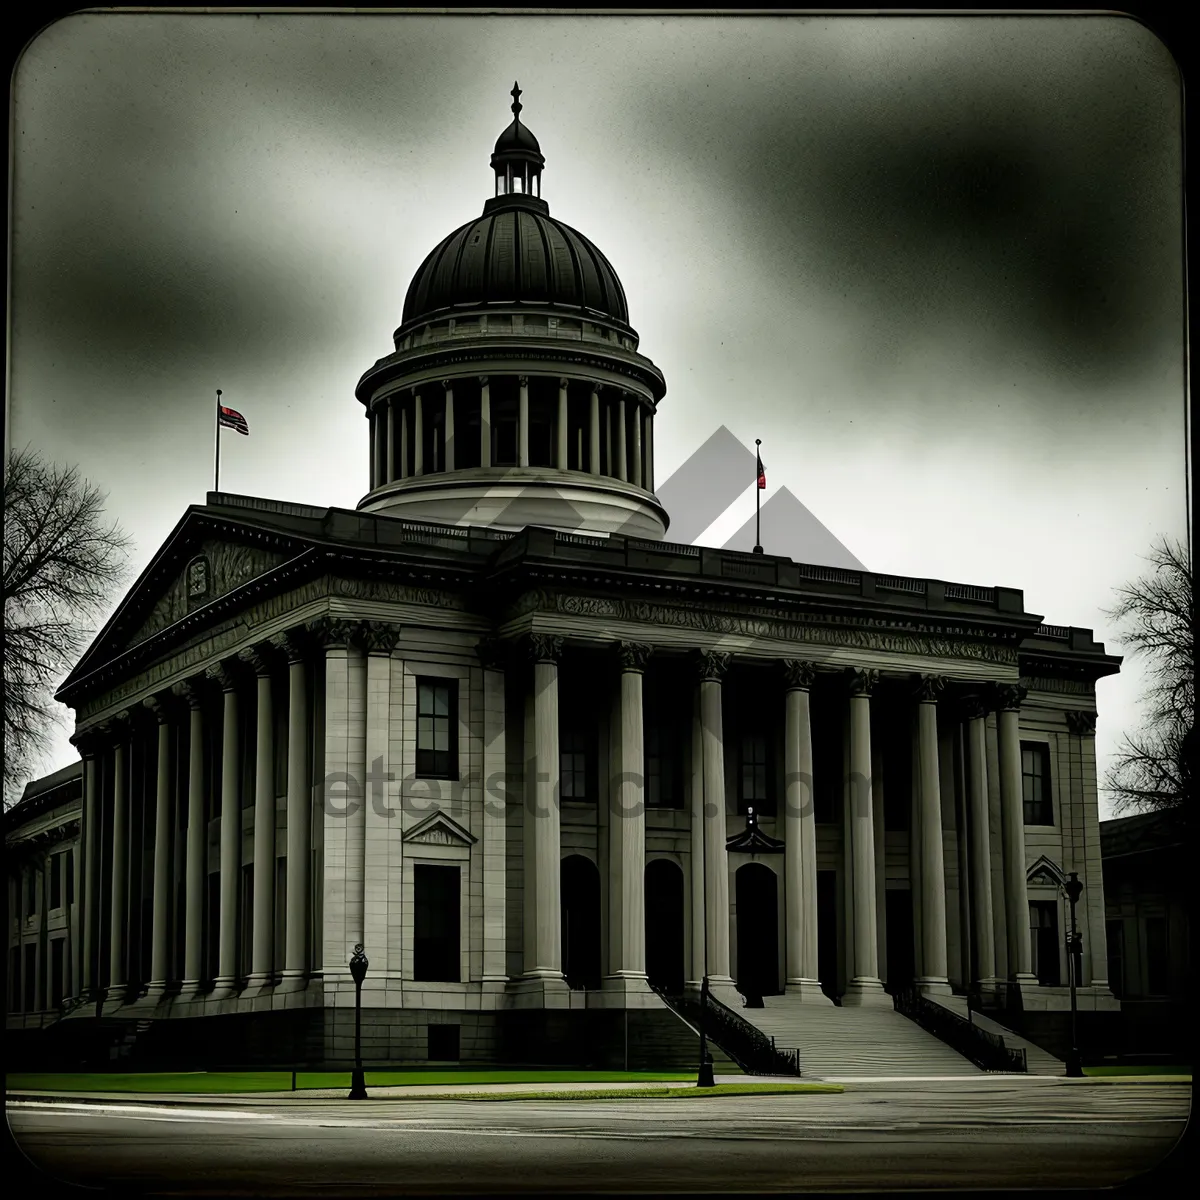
1156, 1069
213, 1082
655, 1093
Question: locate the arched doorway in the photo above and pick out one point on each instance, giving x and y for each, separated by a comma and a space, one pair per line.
756, 890
580, 882
664, 924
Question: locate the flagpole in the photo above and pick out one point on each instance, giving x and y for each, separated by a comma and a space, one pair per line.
217, 446
757, 471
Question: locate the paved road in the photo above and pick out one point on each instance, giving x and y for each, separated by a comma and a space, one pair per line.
992, 1133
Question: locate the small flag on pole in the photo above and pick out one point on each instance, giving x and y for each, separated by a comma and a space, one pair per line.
230, 418
762, 473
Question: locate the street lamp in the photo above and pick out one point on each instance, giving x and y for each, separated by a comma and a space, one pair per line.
358, 969
1074, 889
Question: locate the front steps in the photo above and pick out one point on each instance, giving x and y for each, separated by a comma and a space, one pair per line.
1037, 1060
855, 1042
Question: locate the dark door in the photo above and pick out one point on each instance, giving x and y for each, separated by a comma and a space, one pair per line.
900, 956
580, 921
757, 930
437, 941
664, 924
827, 930
1043, 921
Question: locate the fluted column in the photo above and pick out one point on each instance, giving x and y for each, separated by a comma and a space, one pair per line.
231, 829
372, 424
391, 439
594, 431
1012, 826
299, 809
119, 915
877, 814
610, 461
493, 656
88, 895
864, 986
418, 437
403, 472
980, 862
934, 976
543, 932
163, 849
196, 863
636, 412
448, 464
380, 639
799, 836
485, 422
697, 843
622, 439
523, 422
627, 827
262, 940
710, 666
648, 453
561, 458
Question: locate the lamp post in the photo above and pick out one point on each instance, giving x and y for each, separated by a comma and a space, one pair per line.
358, 969
1074, 889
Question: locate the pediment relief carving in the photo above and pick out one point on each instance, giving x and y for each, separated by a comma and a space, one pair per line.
439, 830
1045, 872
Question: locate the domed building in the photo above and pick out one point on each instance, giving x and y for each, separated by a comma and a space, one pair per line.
571, 789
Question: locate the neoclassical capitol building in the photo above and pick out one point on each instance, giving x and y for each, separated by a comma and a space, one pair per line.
549, 769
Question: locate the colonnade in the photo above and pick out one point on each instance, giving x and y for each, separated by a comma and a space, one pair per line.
595, 430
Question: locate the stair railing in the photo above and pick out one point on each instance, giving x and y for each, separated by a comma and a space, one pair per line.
985, 1049
745, 1043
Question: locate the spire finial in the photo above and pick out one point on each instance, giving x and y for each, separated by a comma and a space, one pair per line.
516, 104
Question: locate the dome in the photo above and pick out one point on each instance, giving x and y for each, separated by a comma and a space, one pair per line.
516, 253
517, 137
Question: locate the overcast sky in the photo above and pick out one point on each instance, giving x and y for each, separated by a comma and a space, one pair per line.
934, 263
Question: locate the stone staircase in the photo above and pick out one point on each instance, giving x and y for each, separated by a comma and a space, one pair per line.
850, 1042
1038, 1061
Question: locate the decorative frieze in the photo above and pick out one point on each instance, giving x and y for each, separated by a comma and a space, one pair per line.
1081, 723
798, 675
632, 656
861, 681
927, 688
392, 593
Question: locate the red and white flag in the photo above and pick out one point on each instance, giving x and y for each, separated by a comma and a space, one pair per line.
762, 473
230, 418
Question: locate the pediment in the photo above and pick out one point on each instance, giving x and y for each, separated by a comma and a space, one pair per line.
438, 829
1045, 872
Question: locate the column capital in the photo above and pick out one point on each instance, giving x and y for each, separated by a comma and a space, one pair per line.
116, 728
975, 706
861, 681
292, 644
632, 656
161, 705
191, 690
493, 653
483, 380
1007, 697
379, 637
563, 382
543, 647
523, 380
597, 388
87, 741
927, 688
260, 657
798, 675
710, 665
447, 384
1080, 722
225, 673
331, 632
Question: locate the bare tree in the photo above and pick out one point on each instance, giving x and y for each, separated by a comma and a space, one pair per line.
62, 562
1158, 623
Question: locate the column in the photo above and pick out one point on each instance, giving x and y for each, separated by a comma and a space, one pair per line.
710, 668
231, 830
196, 868
627, 828
863, 986
877, 815
299, 810
485, 422
933, 971
543, 931
119, 916
161, 707
356, 767
608, 441
594, 431
262, 944
1012, 826
88, 895
622, 440
404, 472
698, 841
523, 423
648, 453
391, 440
418, 440
448, 463
799, 836
635, 409
493, 658
371, 422
980, 863
1091, 916
380, 638
561, 458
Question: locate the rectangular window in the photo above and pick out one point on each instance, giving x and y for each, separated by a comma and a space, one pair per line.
663, 776
436, 936
437, 728
56, 971
1114, 935
1043, 928
573, 765
1035, 783
754, 774
69, 865
1156, 956
57, 862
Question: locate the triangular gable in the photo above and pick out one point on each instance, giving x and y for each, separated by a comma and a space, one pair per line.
438, 829
1045, 871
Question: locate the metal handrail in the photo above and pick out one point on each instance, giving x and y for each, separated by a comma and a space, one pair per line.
986, 1050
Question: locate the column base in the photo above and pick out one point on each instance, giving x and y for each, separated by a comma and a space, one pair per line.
867, 993
625, 989
541, 989
721, 987
934, 986
806, 990
257, 983
224, 987
1013, 989
291, 981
